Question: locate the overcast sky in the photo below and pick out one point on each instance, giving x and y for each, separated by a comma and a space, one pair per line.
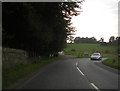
98, 19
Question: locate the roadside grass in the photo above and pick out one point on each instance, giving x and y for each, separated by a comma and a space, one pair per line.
106, 51
114, 63
13, 74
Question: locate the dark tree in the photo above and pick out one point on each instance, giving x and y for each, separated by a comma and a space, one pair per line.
101, 39
39, 28
112, 38
91, 40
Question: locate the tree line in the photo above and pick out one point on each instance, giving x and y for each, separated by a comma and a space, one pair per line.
40, 28
93, 40
85, 40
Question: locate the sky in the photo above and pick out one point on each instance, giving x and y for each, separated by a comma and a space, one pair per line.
99, 18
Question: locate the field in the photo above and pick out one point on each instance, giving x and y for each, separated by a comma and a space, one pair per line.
106, 51
86, 50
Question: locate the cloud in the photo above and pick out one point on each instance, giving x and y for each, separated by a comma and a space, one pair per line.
99, 18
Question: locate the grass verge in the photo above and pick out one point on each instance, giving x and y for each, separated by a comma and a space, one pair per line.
114, 63
14, 74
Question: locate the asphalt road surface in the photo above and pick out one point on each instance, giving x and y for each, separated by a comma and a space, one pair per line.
74, 73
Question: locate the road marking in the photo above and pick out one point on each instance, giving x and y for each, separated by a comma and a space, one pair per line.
76, 63
80, 71
95, 86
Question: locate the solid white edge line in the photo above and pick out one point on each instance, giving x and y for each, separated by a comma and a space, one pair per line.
80, 71
95, 86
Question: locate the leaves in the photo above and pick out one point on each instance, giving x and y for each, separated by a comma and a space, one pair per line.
39, 28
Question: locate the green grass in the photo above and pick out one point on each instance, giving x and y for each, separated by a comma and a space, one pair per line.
111, 63
13, 74
106, 51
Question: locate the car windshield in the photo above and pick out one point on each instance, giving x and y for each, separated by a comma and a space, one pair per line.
96, 54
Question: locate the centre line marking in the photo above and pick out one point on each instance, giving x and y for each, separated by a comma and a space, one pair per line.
95, 86
80, 71
76, 63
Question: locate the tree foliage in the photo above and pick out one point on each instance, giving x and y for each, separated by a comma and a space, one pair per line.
112, 41
112, 38
39, 28
85, 40
101, 39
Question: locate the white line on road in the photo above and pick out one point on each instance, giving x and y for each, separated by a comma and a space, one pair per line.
95, 86
80, 71
76, 63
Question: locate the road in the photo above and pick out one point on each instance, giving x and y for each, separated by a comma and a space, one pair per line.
74, 73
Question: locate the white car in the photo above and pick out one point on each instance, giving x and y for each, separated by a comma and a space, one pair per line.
95, 56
